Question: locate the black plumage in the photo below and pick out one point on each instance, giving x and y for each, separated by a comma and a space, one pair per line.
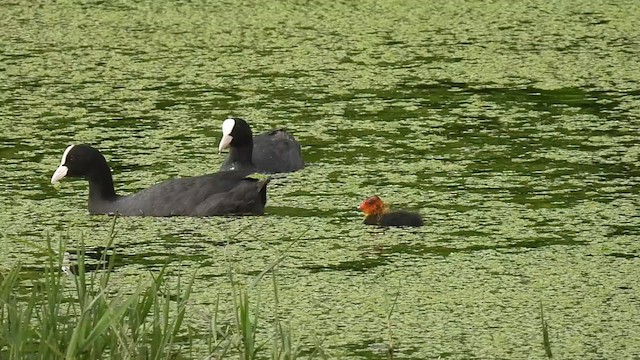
377, 213
223, 193
275, 151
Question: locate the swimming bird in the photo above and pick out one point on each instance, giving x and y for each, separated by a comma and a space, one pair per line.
223, 193
377, 213
275, 151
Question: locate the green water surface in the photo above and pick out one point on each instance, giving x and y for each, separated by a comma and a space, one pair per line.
513, 127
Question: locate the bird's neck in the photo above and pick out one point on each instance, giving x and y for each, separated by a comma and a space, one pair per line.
241, 155
101, 184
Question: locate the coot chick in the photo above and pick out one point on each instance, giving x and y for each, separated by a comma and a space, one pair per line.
377, 213
223, 193
275, 151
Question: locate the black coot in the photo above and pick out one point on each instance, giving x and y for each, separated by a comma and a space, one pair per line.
230, 192
276, 151
377, 213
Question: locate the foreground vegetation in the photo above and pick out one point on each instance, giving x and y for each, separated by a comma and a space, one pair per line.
76, 311
70, 312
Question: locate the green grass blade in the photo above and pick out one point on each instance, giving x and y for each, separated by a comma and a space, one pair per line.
545, 333
112, 316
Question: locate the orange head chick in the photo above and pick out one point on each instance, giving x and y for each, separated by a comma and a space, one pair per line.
377, 213
373, 206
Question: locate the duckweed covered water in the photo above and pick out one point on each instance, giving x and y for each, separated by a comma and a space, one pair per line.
513, 127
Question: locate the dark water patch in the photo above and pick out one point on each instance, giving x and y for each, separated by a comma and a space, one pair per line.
212, 276
350, 266
413, 249
384, 254
623, 255
633, 228
284, 211
597, 102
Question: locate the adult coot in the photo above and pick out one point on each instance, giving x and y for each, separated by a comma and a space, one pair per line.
377, 213
222, 193
275, 151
